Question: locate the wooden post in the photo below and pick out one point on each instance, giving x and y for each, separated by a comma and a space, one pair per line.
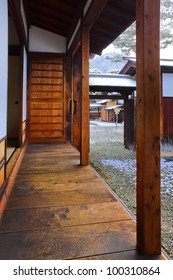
69, 98
129, 123
148, 127
76, 99
84, 156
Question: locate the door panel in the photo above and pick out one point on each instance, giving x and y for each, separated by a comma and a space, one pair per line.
46, 99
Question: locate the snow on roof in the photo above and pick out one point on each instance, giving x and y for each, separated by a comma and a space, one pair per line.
103, 101
114, 107
97, 81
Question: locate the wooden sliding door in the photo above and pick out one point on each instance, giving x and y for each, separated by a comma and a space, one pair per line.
46, 99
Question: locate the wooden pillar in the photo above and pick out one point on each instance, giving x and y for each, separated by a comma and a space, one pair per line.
148, 127
84, 156
129, 123
76, 99
69, 98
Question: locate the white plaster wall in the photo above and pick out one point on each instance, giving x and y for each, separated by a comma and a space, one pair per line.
167, 84
45, 41
24, 83
3, 66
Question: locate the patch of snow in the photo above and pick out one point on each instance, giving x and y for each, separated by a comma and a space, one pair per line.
129, 167
106, 124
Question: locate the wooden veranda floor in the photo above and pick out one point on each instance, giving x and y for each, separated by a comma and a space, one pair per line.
60, 210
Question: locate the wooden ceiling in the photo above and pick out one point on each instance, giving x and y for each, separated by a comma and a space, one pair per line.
58, 16
113, 20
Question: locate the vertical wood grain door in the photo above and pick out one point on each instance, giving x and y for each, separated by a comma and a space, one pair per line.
46, 99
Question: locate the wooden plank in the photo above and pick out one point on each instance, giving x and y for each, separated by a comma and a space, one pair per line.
84, 196
65, 214
46, 112
47, 67
47, 104
47, 81
49, 96
69, 242
47, 126
84, 155
46, 74
2, 174
148, 127
167, 118
53, 184
46, 88
63, 167
49, 139
46, 134
47, 120
62, 216
2, 149
127, 255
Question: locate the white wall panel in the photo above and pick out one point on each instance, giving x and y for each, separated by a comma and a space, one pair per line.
167, 84
3, 66
45, 41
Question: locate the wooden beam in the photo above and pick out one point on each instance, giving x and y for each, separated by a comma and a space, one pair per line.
148, 127
84, 156
15, 13
94, 11
89, 18
78, 16
129, 123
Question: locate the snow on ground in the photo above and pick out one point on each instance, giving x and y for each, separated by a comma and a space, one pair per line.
129, 167
106, 124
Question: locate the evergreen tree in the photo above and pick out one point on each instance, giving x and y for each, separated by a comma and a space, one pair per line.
127, 40
125, 44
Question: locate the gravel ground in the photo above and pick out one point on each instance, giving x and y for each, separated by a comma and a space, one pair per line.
117, 166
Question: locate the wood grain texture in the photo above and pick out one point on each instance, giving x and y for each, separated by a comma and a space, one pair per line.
70, 242
148, 127
2, 149
46, 100
76, 101
127, 255
62, 216
2, 161
59, 198
167, 132
2, 174
84, 155
59, 209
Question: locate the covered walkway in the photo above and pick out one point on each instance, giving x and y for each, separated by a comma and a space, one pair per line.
61, 210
